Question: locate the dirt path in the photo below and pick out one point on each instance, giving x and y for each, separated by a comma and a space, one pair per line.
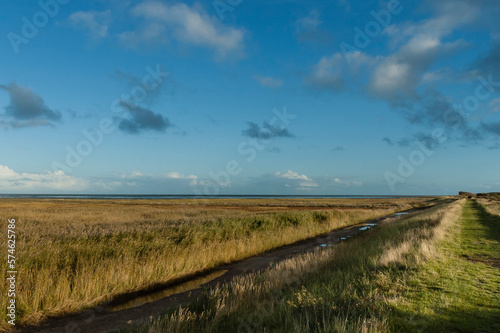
114, 316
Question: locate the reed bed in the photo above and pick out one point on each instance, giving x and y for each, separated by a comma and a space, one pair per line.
353, 287
74, 254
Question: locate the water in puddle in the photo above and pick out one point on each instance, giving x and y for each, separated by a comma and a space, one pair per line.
401, 213
367, 226
183, 287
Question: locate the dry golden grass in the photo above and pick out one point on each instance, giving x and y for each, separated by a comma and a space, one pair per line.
492, 206
423, 243
337, 289
77, 253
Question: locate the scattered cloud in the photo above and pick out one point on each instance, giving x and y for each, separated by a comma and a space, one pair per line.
193, 180
141, 119
308, 29
189, 25
418, 46
27, 109
388, 141
489, 63
327, 73
493, 128
338, 148
310, 22
438, 75
267, 131
298, 181
172, 182
292, 175
132, 182
447, 16
346, 182
12, 181
267, 81
95, 22
333, 72
177, 175
291, 182
151, 34
398, 77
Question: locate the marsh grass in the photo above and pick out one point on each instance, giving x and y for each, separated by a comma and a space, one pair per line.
491, 205
359, 286
74, 254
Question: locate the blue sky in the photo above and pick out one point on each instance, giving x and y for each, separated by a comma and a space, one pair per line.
249, 97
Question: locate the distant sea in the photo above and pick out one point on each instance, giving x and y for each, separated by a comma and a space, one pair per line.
160, 196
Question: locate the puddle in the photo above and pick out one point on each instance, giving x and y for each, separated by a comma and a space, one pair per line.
183, 287
401, 213
367, 226
325, 245
343, 238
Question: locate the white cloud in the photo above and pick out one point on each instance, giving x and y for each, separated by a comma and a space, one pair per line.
176, 175
327, 73
299, 181
139, 178
396, 77
449, 14
292, 175
309, 22
438, 75
11, 181
331, 71
190, 25
399, 74
153, 33
95, 22
267, 81
393, 79
346, 183
133, 174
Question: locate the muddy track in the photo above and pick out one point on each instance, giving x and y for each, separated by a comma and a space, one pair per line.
133, 308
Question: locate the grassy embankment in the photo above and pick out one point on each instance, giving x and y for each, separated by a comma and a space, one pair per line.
77, 253
427, 273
